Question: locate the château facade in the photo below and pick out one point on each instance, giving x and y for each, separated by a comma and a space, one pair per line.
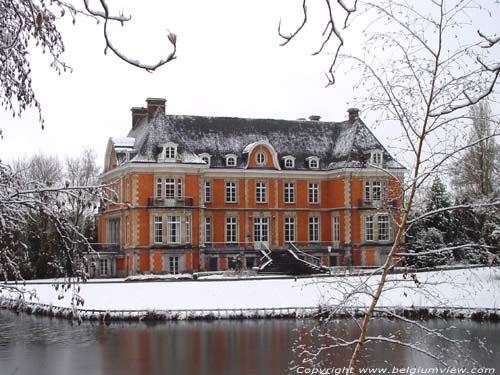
192, 193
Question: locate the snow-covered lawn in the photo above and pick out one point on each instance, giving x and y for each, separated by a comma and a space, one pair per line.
478, 287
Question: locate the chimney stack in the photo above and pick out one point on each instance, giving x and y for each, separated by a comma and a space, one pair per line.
155, 104
353, 114
314, 118
138, 113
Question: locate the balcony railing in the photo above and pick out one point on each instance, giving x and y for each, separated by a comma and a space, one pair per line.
258, 246
170, 202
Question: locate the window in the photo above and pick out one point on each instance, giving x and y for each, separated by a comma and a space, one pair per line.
103, 267
313, 162
314, 229
260, 158
114, 230
231, 229
188, 229
289, 161
208, 192
373, 190
174, 229
180, 190
289, 229
168, 153
231, 160
336, 228
260, 192
383, 227
158, 229
169, 188
369, 235
376, 158
127, 189
231, 192
206, 158
289, 192
313, 193
173, 265
127, 230
208, 230
158, 187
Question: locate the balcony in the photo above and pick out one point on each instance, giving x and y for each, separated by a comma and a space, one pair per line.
170, 202
106, 247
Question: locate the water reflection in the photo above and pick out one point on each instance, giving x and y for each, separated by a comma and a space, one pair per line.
37, 345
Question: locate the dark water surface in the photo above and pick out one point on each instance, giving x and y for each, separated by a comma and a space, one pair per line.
40, 345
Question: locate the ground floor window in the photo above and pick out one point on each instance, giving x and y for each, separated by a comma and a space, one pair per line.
250, 262
104, 267
173, 264
334, 260
212, 264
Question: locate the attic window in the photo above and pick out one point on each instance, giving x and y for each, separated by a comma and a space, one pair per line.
313, 162
289, 161
260, 158
231, 160
168, 153
206, 158
376, 158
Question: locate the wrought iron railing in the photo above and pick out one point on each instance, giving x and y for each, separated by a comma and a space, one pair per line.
170, 202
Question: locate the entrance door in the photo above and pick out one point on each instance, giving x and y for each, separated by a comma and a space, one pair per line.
260, 232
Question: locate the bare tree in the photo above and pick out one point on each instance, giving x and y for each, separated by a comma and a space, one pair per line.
424, 65
35, 22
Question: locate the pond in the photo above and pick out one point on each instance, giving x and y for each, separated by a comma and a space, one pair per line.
40, 345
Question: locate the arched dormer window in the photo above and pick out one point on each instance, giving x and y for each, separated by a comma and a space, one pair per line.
289, 161
313, 162
168, 152
231, 160
206, 158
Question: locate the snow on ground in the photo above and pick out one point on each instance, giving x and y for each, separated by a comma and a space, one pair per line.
479, 287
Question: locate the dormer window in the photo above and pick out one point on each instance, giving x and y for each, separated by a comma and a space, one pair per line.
376, 158
231, 160
289, 161
168, 153
313, 162
260, 158
206, 158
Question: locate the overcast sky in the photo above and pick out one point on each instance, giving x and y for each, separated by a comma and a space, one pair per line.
229, 64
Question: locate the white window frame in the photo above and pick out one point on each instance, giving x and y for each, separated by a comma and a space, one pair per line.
260, 158
159, 187
206, 158
174, 229
231, 193
289, 230
336, 228
157, 229
169, 152
260, 192
289, 161
231, 229
188, 238
173, 264
103, 267
313, 193
313, 162
314, 229
231, 160
208, 229
170, 188
376, 158
207, 192
369, 225
383, 227
180, 189
289, 192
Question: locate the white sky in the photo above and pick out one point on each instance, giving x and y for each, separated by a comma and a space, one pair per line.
229, 64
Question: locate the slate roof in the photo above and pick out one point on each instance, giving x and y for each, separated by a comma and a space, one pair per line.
337, 144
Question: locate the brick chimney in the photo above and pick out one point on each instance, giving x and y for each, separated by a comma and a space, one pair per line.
353, 114
155, 104
138, 113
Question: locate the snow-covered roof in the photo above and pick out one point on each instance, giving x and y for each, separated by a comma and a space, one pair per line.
336, 144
